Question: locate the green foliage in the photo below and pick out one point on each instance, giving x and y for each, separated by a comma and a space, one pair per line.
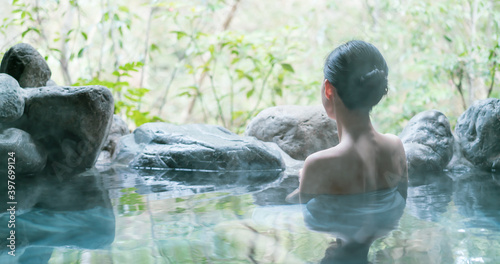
200, 61
466, 56
127, 99
442, 55
254, 68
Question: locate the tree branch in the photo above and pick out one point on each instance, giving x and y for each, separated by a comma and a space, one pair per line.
459, 85
225, 26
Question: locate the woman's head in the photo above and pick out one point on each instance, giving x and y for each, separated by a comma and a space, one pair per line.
358, 72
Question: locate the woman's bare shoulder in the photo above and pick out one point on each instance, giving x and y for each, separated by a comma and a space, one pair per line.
393, 142
316, 168
391, 137
397, 150
327, 157
312, 164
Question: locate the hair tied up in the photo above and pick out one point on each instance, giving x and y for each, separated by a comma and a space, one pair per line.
375, 76
358, 71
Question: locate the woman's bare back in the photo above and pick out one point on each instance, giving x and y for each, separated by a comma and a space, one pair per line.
370, 162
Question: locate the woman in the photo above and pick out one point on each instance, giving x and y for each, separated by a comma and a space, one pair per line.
364, 160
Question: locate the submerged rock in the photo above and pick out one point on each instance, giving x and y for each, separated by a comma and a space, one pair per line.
428, 142
478, 132
298, 130
11, 99
70, 123
26, 65
195, 147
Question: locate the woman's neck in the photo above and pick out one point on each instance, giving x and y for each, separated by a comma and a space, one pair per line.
352, 123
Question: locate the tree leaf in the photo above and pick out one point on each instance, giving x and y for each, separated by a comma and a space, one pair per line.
287, 67
250, 93
80, 53
180, 34
124, 9
25, 32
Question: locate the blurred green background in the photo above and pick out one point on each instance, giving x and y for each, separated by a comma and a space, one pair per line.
223, 61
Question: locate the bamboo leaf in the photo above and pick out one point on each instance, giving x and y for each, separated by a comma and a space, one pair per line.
80, 53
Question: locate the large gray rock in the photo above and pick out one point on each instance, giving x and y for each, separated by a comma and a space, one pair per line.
70, 123
458, 164
118, 129
11, 99
196, 147
26, 65
478, 132
428, 142
27, 155
298, 130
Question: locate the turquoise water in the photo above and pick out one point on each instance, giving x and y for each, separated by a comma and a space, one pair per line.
118, 216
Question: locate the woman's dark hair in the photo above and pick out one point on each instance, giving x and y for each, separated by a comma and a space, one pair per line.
359, 73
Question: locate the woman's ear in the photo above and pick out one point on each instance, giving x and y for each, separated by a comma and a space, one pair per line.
328, 89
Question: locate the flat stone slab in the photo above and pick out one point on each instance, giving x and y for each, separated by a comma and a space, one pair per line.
298, 130
196, 147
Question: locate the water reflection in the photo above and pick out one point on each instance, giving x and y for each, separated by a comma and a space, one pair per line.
477, 197
166, 184
355, 220
429, 195
215, 178
51, 211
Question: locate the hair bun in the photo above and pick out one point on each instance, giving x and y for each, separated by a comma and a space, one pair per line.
375, 81
373, 77
374, 86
